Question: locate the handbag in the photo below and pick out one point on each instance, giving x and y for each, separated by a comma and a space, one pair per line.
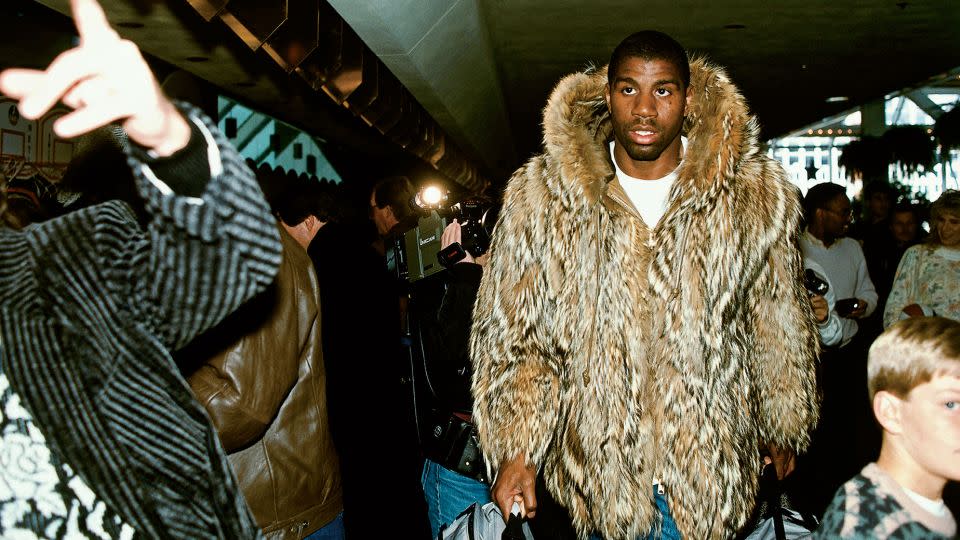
455, 444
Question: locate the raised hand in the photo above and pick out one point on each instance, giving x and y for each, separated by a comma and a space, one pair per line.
104, 79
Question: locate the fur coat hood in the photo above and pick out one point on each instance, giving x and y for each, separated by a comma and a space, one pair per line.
611, 354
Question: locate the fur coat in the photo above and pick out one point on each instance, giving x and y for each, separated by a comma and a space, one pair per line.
610, 354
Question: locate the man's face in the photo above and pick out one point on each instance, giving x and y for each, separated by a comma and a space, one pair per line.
836, 216
930, 424
382, 217
647, 102
903, 227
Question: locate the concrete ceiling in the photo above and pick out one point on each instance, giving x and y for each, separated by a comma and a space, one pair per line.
483, 68
786, 56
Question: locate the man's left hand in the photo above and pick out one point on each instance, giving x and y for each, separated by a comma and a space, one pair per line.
783, 459
858, 313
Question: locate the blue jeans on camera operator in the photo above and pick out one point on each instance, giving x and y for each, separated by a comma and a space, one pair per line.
449, 493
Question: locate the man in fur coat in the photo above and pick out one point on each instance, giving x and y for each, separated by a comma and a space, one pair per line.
642, 332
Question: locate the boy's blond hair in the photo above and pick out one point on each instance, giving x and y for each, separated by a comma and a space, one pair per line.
911, 353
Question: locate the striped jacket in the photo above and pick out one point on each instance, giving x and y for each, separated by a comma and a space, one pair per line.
90, 305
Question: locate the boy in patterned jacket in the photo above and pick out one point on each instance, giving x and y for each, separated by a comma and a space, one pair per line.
914, 381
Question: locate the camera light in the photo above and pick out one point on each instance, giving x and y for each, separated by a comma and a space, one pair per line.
430, 197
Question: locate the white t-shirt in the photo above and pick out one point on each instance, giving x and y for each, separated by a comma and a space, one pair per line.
937, 508
649, 197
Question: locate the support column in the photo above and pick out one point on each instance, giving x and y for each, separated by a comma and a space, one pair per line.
873, 120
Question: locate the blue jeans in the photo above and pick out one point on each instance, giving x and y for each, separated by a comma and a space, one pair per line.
449, 493
665, 528
330, 531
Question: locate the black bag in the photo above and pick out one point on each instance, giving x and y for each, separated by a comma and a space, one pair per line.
455, 444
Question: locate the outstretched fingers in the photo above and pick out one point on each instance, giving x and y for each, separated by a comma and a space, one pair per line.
87, 118
92, 24
68, 69
17, 83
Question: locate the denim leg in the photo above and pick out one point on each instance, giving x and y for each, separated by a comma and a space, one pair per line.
668, 527
330, 531
449, 493
664, 528
431, 492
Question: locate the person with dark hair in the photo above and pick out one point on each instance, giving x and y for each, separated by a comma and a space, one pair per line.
819, 197
884, 251
301, 200
835, 454
390, 203
878, 199
641, 335
261, 376
825, 240
24, 205
110, 441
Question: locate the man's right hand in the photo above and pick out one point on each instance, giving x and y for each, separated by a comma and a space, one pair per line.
515, 483
821, 310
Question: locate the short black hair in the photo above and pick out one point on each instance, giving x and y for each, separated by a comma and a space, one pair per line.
395, 192
293, 198
906, 207
818, 196
650, 45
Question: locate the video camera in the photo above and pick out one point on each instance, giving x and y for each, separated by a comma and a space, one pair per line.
421, 251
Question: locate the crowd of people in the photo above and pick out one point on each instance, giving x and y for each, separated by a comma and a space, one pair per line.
198, 346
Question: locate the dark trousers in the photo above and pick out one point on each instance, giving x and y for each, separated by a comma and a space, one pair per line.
847, 436
552, 520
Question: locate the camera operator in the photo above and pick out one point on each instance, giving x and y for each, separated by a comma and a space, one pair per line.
454, 476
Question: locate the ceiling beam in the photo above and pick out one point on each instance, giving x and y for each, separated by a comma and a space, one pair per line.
441, 52
923, 101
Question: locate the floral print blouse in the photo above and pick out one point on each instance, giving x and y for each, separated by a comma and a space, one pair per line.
930, 278
41, 496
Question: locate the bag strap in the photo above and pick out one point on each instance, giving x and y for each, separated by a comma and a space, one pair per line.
514, 530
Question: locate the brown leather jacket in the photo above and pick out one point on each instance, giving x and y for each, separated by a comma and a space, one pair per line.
264, 386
